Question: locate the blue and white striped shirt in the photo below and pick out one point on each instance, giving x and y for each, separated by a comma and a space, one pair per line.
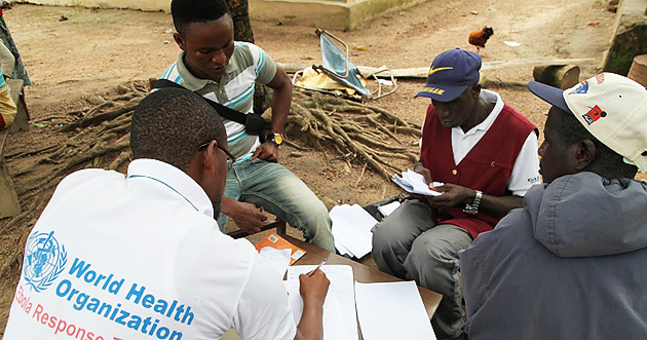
248, 64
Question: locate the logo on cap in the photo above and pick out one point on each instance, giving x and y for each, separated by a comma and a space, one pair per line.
600, 78
433, 90
581, 89
593, 115
433, 70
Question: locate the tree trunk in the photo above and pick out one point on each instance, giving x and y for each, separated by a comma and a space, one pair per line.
638, 70
240, 15
561, 76
243, 32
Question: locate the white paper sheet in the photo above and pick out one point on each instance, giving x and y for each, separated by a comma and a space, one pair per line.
349, 246
392, 310
387, 209
351, 228
339, 318
414, 183
278, 258
512, 43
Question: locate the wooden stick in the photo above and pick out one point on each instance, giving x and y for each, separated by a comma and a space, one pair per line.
360, 175
422, 72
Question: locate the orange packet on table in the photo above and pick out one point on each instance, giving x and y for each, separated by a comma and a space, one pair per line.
275, 241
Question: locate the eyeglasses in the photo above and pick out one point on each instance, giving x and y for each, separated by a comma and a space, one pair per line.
230, 158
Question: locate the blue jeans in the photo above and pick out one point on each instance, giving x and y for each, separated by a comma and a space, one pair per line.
280, 192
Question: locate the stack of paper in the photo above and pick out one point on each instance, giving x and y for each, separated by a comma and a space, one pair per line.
339, 320
351, 228
392, 310
414, 183
385, 310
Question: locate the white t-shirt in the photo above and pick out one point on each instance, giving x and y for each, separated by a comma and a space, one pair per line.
142, 258
525, 172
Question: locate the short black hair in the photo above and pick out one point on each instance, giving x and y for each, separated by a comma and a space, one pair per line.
611, 163
187, 12
170, 124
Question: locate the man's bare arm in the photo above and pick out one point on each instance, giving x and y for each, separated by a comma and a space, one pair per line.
313, 291
281, 99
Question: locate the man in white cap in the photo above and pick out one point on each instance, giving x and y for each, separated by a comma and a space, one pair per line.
485, 152
571, 263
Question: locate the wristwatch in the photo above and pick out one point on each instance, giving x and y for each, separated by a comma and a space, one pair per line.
275, 138
473, 208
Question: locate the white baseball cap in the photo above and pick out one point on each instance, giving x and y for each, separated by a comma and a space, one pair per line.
611, 107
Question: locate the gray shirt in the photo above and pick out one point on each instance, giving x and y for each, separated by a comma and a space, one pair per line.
572, 264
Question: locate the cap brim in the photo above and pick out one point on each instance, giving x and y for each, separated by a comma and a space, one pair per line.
550, 94
449, 93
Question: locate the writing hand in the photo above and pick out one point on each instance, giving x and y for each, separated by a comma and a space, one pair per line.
314, 288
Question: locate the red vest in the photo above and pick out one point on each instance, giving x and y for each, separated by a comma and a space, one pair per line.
487, 167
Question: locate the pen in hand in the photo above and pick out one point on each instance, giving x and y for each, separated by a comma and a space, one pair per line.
319, 266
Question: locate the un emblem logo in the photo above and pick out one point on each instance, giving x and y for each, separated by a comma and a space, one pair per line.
45, 260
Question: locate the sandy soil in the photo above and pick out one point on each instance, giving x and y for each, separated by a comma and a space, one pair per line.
95, 50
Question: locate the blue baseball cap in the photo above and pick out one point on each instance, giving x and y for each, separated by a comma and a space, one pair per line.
552, 95
450, 74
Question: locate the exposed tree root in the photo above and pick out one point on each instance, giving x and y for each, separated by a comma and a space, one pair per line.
98, 135
370, 133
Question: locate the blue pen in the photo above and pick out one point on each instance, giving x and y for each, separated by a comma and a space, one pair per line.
319, 266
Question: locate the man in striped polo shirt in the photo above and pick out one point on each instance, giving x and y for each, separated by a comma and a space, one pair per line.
215, 66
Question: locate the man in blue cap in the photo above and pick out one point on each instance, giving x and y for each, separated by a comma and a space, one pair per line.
485, 153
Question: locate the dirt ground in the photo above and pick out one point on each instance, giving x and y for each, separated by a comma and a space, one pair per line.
94, 50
